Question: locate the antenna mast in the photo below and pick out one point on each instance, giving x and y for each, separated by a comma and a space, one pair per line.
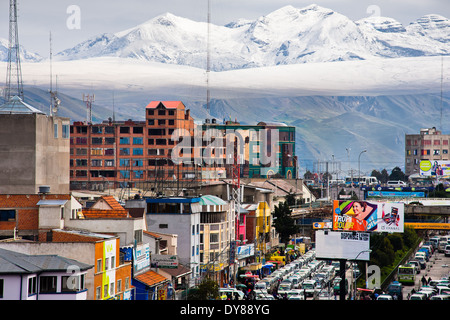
208, 60
14, 70
54, 101
88, 99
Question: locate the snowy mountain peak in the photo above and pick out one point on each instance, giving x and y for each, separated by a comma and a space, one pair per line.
383, 24
288, 35
25, 55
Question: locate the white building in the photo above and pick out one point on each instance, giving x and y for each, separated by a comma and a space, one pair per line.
41, 277
180, 216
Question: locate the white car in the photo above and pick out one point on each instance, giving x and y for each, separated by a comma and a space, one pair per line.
395, 183
384, 297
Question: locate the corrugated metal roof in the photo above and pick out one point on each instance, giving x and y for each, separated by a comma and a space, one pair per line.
15, 262
51, 202
211, 200
15, 105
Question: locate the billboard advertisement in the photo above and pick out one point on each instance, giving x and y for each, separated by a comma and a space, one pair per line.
434, 168
342, 245
355, 215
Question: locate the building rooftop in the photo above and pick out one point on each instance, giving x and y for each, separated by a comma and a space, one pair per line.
15, 105
15, 262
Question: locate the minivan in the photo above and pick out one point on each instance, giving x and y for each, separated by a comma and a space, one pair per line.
447, 250
395, 183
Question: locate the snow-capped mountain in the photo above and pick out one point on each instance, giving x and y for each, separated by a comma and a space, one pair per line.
25, 56
285, 36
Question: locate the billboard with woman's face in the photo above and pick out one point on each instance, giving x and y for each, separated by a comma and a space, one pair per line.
355, 215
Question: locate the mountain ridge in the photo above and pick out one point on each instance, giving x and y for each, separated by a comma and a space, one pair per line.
285, 36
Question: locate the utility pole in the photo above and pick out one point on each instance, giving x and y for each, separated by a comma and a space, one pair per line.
14, 83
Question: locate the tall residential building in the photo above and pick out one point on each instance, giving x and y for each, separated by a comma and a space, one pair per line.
134, 153
429, 144
34, 149
169, 152
265, 150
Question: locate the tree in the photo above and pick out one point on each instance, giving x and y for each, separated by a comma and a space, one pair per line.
384, 176
284, 224
208, 289
397, 174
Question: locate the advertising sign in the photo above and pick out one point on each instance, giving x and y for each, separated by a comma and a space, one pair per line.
164, 261
368, 216
141, 257
435, 168
342, 245
245, 251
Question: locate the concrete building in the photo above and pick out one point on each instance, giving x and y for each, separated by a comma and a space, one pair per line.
180, 216
429, 144
34, 149
135, 153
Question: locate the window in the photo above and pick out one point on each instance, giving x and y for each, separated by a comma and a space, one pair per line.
138, 130
125, 174
161, 122
124, 151
2, 284
124, 162
96, 129
138, 140
109, 163
138, 235
163, 226
109, 130
214, 238
97, 140
111, 289
105, 291
138, 151
65, 131
110, 140
124, 140
119, 285
124, 129
98, 293
32, 285
113, 262
7, 215
96, 152
99, 265
69, 284
55, 130
138, 174
106, 263
47, 284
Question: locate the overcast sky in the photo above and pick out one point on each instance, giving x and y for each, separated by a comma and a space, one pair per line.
73, 21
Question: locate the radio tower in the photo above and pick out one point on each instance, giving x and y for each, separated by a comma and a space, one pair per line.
14, 84
88, 99
236, 187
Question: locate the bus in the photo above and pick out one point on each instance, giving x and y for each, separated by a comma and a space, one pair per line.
368, 181
361, 181
406, 274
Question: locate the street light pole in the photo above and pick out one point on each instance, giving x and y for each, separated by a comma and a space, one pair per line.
359, 171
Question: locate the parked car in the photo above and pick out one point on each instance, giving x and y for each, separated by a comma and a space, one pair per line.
417, 296
384, 297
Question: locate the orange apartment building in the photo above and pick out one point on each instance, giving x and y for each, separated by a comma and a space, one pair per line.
135, 153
